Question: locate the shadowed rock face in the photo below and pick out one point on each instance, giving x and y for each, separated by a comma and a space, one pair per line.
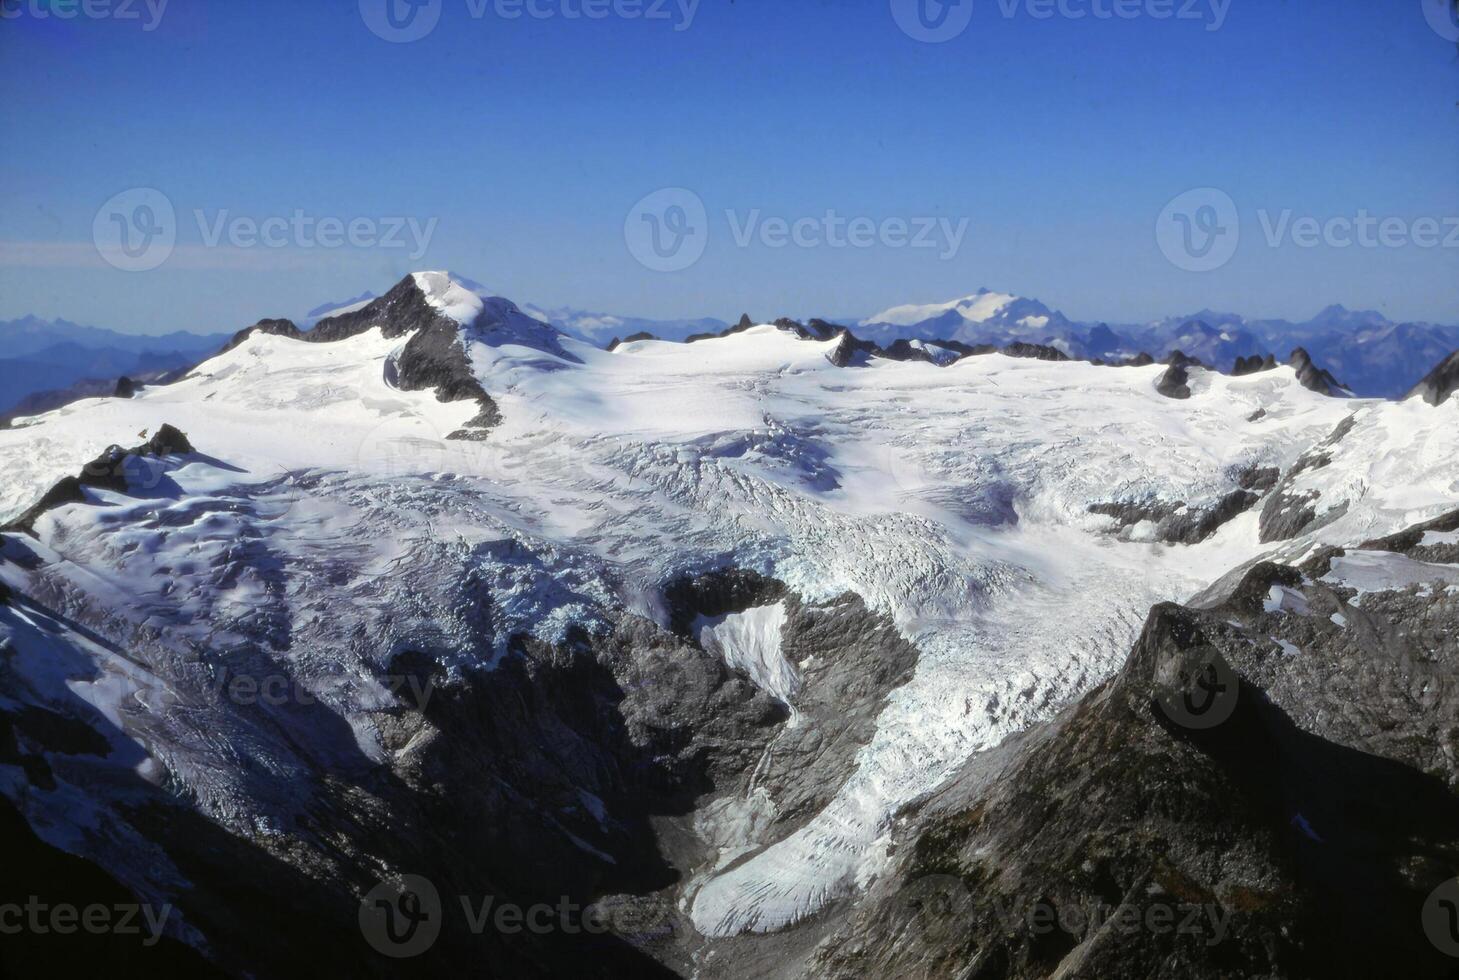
1037, 351
1313, 377
848, 660
641, 335
1253, 365
275, 328
1289, 512
745, 323
1174, 383
1179, 358
851, 351
434, 357
573, 772
902, 350
400, 311
1440, 383
1180, 522
116, 469
1224, 806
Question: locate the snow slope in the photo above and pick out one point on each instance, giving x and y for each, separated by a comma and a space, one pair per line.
327, 505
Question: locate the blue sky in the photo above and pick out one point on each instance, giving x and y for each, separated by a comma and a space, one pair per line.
524, 145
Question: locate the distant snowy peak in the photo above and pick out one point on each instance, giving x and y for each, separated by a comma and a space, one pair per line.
459, 299
982, 307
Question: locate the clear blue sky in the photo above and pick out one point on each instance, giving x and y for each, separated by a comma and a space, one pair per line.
530, 140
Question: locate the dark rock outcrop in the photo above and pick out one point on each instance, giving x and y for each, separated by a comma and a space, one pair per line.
850, 351
400, 311
823, 330
433, 358
1410, 542
126, 387
717, 593
745, 323
1254, 364
631, 338
1179, 358
902, 350
1259, 478
1041, 352
1179, 522
118, 470
1314, 378
1440, 383
1289, 512
567, 773
273, 328
1224, 806
1174, 383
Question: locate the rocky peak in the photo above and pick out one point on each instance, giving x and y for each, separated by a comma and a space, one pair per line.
272, 327
1314, 378
1254, 364
404, 309
1440, 383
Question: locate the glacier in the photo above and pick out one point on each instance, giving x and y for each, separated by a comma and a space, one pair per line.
329, 504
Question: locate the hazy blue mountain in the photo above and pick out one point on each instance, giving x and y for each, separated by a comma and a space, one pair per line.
30, 334
39, 355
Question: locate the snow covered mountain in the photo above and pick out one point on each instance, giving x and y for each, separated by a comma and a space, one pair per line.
435, 588
1370, 354
985, 317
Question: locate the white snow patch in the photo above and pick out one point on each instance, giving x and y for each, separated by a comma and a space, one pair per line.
1283, 599
750, 641
1384, 571
449, 296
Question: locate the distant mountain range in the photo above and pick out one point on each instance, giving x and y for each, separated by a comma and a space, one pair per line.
1370, 354
42, 356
